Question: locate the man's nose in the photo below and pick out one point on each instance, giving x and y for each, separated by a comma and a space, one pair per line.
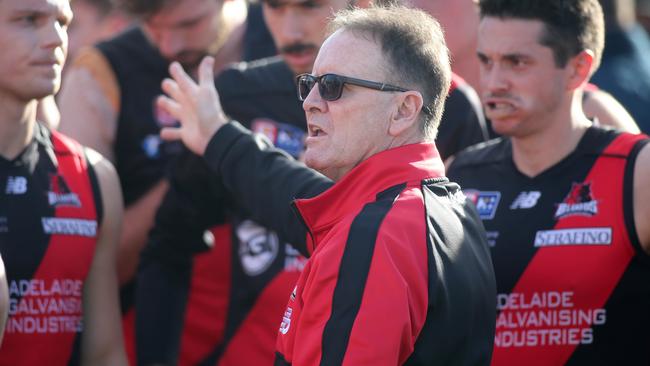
170, 44
495, 79
314, 102
293, 29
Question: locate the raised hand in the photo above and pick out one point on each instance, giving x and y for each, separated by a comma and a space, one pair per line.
196, 106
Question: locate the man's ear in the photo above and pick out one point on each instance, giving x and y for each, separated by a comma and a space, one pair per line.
579, 68
407, 113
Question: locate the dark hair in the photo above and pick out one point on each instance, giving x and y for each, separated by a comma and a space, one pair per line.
141, 8
572, 26
415, 49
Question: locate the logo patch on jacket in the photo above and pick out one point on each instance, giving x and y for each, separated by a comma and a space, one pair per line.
59, 193
284, 136
286, 321
579, 201
258, 247
486, 202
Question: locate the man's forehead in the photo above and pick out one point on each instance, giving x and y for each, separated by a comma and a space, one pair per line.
350, 54
179, 11
509, 33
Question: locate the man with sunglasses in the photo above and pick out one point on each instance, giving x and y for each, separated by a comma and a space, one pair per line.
256, 268
400, 270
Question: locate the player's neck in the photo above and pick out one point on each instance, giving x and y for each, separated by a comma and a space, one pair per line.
17, 122
562, 131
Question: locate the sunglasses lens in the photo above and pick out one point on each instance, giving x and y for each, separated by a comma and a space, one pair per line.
305, 84
330, 87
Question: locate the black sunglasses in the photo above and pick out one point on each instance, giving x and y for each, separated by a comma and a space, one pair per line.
330, 86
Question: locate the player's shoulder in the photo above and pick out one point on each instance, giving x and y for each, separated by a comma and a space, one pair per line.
132, 38
492, 151
263, 76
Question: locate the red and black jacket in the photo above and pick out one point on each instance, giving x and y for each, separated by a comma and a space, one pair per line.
395, 208
50, 210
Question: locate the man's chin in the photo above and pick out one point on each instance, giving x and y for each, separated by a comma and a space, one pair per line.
322, 167
299, 65
190, 63
41, 92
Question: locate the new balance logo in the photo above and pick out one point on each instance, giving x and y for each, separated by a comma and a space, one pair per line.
526, 200
16, 185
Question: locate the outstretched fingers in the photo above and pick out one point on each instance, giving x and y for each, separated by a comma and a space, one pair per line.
196, 106
170, 106
206, 73
184, 81
173, 91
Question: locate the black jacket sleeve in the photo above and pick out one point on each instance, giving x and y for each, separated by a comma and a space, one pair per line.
192, 205
264, 180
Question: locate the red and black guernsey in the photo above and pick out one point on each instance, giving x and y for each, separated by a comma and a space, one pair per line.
573, 281
142, 159
400, 271
50, 210
229, 297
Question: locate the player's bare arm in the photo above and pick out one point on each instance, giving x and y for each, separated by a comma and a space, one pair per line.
642, 197
102, 342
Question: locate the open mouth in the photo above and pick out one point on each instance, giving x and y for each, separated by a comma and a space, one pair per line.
315, 131
499, 109
500, 106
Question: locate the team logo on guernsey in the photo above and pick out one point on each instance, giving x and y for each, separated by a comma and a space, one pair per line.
284, 136
60, 194
486, 202
258, 247
579, 201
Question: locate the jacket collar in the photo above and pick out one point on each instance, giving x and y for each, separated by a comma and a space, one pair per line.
360, 185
